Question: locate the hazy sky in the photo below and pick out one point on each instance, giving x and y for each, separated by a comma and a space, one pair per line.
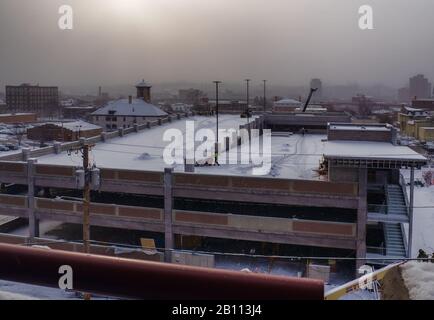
285, 41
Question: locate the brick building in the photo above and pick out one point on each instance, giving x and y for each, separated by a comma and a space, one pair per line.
18, 118
43, 101
68, 131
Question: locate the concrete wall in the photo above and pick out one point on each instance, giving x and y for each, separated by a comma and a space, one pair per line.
359, 135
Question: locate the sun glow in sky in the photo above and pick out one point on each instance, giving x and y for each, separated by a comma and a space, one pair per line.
285, 41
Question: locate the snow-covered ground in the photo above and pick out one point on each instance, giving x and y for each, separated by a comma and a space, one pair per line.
143, 150
19, 291
419, 279
423, 214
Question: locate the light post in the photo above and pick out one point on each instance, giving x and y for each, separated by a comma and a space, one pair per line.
248, 100
217, 83
265, 95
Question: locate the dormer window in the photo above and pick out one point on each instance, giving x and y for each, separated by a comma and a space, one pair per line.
112, 112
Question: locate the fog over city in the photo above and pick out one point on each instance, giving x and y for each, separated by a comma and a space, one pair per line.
286, 41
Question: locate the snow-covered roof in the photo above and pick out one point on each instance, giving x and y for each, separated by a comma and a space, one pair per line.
370, 150
351, 127
73, 125
137, 108
287, 101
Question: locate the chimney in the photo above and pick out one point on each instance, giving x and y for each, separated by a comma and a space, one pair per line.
130, 99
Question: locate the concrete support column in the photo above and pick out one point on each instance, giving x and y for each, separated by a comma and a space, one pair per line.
168, 206
103, 137
160, 122
57, 147
148, 124
410, 214
362, 216
136, 127
33, 221
26, 154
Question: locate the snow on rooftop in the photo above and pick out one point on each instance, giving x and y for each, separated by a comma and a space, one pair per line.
368, 149
293, 157
360, 127
75, 125
419, 279
137, 108
287, 101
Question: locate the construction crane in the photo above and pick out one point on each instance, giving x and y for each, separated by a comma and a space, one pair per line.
312, 91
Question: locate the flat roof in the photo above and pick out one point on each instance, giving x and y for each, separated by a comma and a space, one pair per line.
370, 150
293, 156
361, 127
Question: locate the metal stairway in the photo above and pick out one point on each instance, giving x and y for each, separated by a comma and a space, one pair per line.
396, 203
394, 238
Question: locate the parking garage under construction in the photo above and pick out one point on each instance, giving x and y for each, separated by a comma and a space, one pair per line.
334, 191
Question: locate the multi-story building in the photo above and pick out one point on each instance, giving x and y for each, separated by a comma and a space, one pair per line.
415, 123
125, 113
420, 87
43, 101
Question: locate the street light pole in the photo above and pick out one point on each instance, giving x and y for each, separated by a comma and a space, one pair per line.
217, 83
265, 95
248, 99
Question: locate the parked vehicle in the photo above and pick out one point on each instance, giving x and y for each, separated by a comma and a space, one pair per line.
12, 146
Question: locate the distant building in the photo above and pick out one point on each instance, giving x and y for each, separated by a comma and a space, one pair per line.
317, 83
427, 104
412, 119
190, 96
124, 113
404, 94
420, 87
67, 103
229, 106
67, 131
79, 112
43, 101
286, 105
3, 106
181, 107
18, 118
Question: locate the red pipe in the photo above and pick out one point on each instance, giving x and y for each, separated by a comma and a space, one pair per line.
136, 279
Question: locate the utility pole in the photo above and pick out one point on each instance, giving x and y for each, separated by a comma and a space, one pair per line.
86, 199
85, 179
265, 95
216, 155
